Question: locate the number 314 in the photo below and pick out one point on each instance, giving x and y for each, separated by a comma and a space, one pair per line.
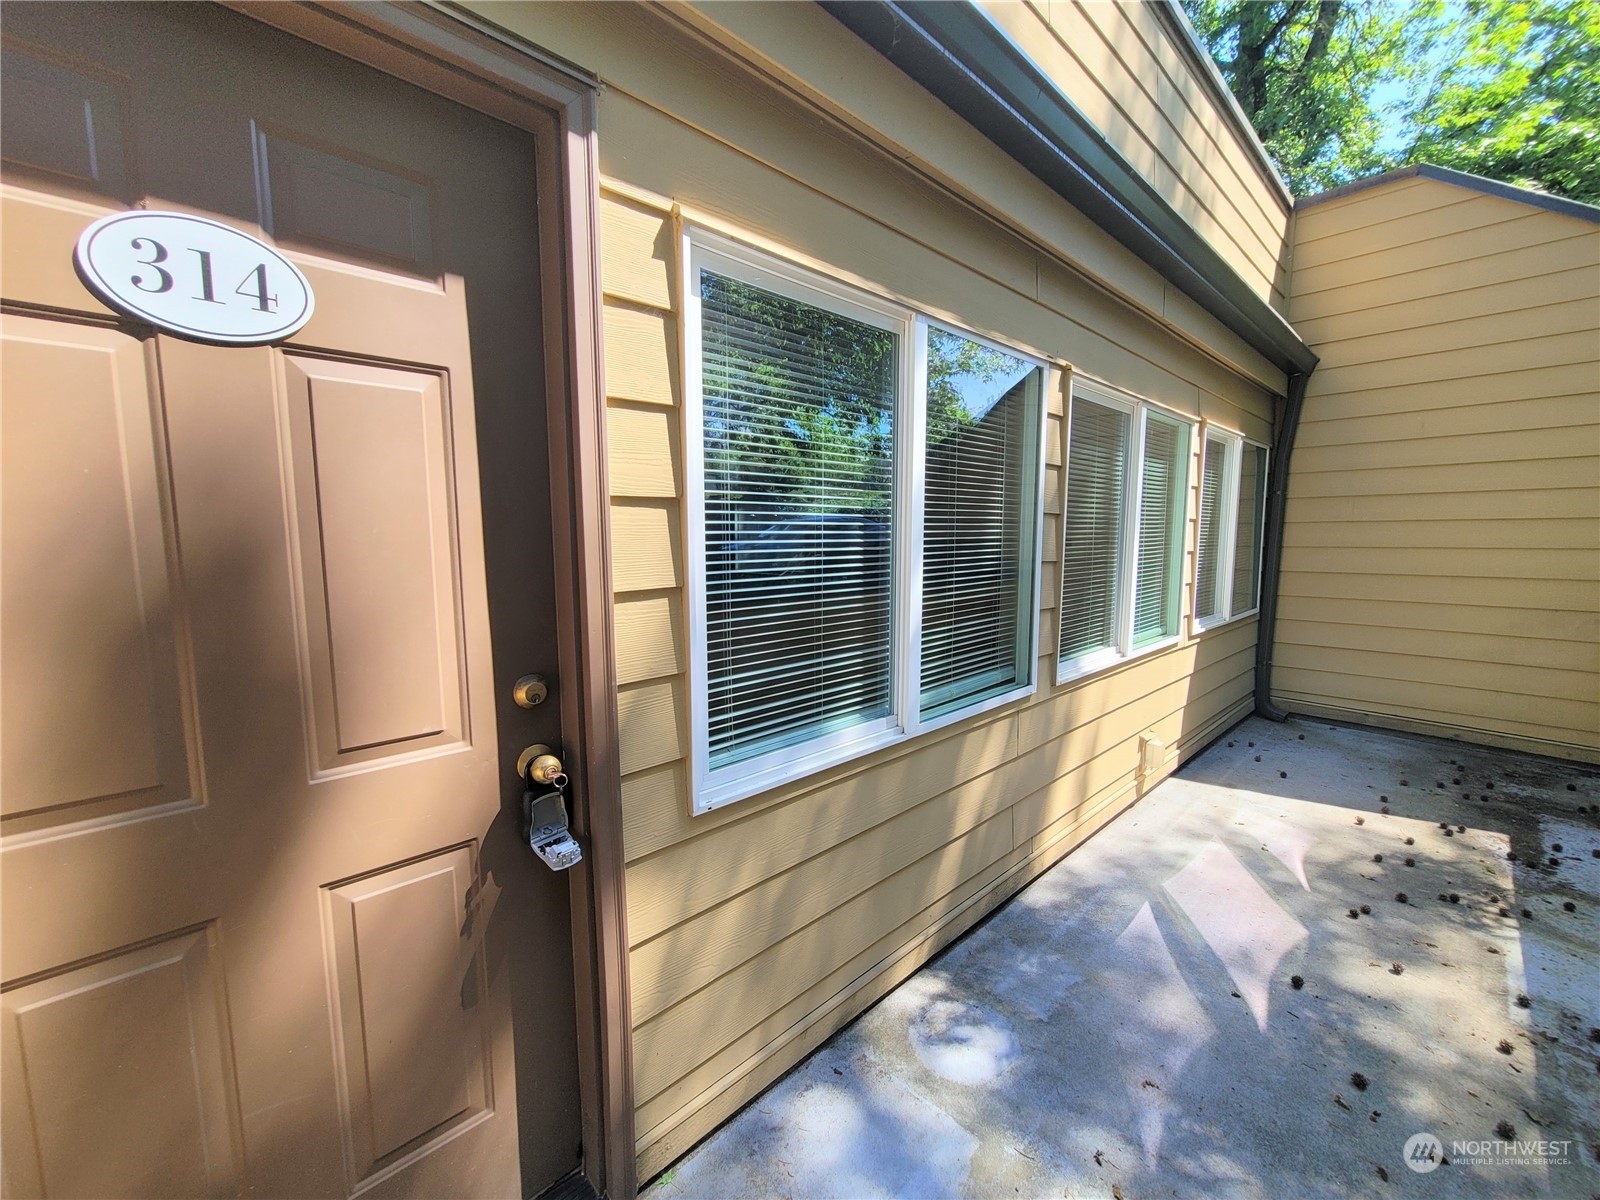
252, 287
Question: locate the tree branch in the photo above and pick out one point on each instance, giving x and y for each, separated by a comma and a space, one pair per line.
1289, 14
1322, 31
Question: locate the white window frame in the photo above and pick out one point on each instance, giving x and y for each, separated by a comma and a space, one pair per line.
710, 789
1138, 410
1227, 547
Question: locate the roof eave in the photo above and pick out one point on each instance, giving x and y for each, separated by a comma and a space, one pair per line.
1462, 179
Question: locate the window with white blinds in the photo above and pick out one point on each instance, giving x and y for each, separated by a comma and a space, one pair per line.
979, 548
1252, 517
1232, 504
1163, 489
798, 436
1212, 519
1093, 519
1122, 529
863, 550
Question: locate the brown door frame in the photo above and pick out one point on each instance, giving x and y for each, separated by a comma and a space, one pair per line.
480, 67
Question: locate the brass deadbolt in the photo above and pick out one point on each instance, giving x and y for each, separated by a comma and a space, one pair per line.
530, 691
538, 765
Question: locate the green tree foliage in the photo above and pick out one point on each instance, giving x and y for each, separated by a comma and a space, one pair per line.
1508, 89
1304, 73
1516, 96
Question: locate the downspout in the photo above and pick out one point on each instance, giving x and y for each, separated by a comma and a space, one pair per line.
1272, 548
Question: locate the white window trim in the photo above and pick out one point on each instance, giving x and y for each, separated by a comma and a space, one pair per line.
1138, 409
712, 790
1227, 546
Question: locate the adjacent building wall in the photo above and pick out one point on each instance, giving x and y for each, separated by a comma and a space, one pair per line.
759, 929
1441, 566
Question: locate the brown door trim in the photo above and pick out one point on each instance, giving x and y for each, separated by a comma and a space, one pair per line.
480, 67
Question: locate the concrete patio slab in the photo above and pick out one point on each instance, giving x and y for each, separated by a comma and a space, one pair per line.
1254, 983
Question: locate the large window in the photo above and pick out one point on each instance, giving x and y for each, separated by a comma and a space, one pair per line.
1122, 529
864, 525
1232, 507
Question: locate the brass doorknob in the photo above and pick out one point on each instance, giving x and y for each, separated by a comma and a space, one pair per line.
545, 769
538, 765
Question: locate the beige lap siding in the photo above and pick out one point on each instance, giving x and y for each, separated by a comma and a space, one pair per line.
760, 928
839, 94
1119, 67
1442, 551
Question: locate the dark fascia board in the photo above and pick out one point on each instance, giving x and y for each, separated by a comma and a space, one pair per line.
956, 52
1187, 42
1477, 183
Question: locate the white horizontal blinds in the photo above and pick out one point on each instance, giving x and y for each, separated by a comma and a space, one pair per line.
1247, 542
1097, 488
1209, 559
978, 542
1162, 480
798, 482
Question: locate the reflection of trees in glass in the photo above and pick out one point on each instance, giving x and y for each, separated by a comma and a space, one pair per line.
799, 477
961, 377
799, 406
792, 390
977, 481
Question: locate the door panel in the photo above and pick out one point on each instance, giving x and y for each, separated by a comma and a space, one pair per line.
371, 454
137, 1031
332, 198
87, 634
76, 137
258, 737
415, 1062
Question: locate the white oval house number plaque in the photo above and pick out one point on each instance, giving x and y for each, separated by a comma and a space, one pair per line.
195, 277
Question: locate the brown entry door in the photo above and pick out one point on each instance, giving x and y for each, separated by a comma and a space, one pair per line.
268, 924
